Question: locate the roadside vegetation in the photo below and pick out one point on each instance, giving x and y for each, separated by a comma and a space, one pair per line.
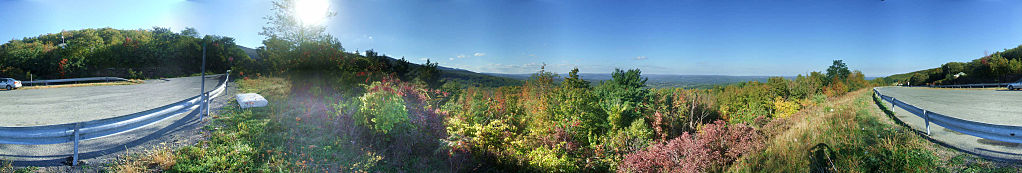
853, 133
7, 166
332, 111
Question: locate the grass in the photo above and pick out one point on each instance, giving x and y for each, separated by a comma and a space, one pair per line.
159, 158
129, 82
852, 134
7, 166
293, 134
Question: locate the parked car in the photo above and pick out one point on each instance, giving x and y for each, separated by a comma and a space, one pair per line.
9, 84
1015, 85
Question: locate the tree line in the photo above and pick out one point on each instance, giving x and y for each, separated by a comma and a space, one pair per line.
999, 67
141, 53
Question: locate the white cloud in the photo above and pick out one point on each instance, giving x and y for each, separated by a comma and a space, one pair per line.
452, 59
461, 56
479, 54
640, 58
423, 59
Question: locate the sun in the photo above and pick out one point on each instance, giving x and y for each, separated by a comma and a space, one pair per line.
311, 12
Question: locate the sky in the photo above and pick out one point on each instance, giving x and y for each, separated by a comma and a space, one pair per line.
690, 37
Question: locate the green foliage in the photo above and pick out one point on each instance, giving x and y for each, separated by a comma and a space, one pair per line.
382, 109
229, 149
579, 112
549, 160
429, 74
837, 71
616, 114
574, 81
1002, 66
495, 135
745, 103
157, 52
625, 90
618, 143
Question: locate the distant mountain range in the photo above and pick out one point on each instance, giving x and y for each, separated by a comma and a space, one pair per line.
661, 80
655, 80
250, 51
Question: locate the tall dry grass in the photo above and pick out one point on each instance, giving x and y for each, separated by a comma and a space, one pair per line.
151, 160
851, 133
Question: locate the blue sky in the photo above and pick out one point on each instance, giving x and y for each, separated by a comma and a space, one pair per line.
662, 37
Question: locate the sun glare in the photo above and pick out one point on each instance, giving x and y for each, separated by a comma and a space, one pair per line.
311, 12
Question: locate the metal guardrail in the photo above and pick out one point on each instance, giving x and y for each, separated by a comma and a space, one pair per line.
88, 79
979, 85
1004, 133
75, 132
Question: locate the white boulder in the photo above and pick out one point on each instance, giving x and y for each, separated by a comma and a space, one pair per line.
251, 100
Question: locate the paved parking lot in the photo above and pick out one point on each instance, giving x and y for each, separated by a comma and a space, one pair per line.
35, 107
981, 105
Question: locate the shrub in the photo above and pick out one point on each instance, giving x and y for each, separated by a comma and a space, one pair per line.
716, 147
624, 88
618, 143
549, 160
783, 108
382, 110
495, 135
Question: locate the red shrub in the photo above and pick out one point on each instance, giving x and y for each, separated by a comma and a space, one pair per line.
717, 146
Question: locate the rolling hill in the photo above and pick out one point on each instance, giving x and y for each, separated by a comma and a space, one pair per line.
1001, 66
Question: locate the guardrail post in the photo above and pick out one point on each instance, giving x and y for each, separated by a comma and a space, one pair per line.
205, 103
74, 158
927, 119
202, 106
892, 103
202, 89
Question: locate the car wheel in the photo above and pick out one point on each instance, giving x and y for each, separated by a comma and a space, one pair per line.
9, 87
1010, 88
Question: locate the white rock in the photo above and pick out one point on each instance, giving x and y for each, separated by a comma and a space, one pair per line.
250, 100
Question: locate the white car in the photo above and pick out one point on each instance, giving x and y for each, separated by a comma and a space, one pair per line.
9, 84
1016, 85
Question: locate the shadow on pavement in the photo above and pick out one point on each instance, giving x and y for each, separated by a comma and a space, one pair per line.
189, 121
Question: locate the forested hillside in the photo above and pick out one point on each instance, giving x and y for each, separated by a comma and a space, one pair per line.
151, 53
1001, 66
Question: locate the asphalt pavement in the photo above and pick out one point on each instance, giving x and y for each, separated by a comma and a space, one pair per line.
92, 103
50, 106
994, 106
